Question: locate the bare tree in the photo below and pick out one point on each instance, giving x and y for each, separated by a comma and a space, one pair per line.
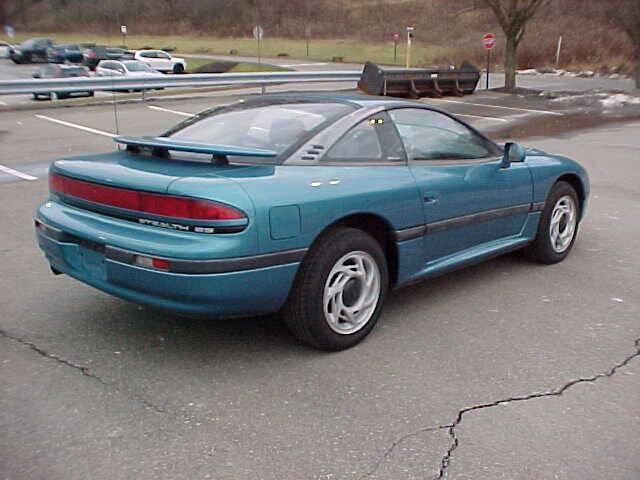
625, 14
513, 16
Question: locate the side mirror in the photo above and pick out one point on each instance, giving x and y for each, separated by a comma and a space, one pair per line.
513, 152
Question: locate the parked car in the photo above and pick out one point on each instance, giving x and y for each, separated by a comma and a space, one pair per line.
53, 70
64, 53
311, 205
5, 49
32, 50
161, 61
91, 56
126, 68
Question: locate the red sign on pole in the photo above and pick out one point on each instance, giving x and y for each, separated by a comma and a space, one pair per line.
489, 40
396, 37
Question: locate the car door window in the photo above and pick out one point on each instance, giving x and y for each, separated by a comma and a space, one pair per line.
431, 135
162, 55
372, 140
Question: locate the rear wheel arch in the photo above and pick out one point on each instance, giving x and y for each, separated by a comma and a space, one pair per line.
377, 227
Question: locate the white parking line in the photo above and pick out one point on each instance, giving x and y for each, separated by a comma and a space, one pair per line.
543, 112
495, 119
177, 112
16, 173
75, 125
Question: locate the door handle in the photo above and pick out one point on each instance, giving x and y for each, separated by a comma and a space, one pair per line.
429, 199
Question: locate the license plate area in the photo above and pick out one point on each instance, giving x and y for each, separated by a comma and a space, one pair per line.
92, 262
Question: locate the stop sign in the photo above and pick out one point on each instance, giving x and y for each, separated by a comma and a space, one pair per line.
489, 40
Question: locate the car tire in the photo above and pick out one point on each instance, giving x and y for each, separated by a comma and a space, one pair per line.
558, 227
344, 268
178, 68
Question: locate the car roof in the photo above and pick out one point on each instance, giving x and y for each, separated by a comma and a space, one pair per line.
358, 100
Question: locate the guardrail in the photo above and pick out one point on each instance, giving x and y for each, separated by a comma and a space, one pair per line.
92, 84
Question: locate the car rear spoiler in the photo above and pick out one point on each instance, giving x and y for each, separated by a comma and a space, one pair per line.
163, 144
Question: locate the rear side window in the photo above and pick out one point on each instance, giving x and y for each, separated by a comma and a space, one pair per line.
74, 72
431, 135
372, 140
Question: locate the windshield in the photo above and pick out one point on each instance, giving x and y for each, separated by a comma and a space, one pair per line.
278, 125
137, 67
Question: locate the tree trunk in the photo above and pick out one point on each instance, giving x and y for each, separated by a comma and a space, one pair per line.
637, 60
4, 20
510, 63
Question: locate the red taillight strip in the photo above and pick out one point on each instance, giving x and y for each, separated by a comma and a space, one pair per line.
169, 206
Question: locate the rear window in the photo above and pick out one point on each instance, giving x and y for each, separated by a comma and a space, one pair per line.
278, 126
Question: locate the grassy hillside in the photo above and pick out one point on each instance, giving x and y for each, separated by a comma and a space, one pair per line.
322, 49
446, 32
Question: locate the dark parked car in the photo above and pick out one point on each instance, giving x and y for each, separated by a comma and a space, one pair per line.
32, 50
61, 71
93, 55
64, 53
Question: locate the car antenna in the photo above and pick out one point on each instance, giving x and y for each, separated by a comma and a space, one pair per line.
115, 109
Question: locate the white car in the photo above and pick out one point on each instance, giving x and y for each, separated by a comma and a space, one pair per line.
125, 68
161, 61
5, 49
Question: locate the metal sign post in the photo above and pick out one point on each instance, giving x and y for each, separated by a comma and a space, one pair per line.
488, 42
409, 37
258, 33
307, 35
396, 38
123, 32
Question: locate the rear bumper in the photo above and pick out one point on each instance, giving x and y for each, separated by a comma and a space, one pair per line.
222, 287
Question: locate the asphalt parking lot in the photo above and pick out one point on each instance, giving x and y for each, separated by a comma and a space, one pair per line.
504, 370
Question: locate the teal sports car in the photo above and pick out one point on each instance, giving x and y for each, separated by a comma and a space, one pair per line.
314, 206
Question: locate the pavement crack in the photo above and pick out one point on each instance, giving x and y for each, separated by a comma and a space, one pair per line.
446, 459
451, 428
84, 370
400, 440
